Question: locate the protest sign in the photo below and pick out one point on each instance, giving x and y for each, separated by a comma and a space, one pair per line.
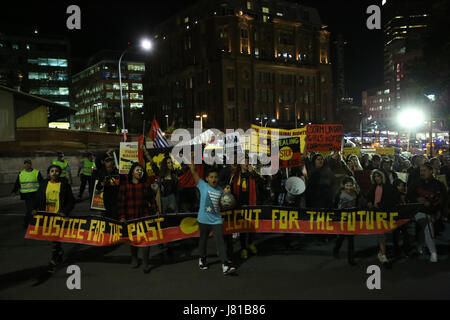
289, 154
128, 155
97, 199
356, 151
385, 151
326, 137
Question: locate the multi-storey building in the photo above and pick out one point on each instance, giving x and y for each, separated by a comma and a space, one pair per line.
404, 26
97, 94
36, 64
238, 61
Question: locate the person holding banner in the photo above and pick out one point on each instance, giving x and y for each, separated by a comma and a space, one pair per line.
348, 197
209, 217
136, 200
244, 182
55, 196
400, 199
109, 182
167, 187
380, 197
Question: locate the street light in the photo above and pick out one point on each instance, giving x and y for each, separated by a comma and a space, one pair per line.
410, 119
146, 45
167, 121
201, 119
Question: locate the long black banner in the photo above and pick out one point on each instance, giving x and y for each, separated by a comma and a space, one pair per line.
148, 231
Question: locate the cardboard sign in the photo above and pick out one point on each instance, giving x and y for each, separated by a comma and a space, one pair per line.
323, 137
289, 152
356, 151
385, 151
128, 155
97, 199
262, 136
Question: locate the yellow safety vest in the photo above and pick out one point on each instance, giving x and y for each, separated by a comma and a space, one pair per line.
29, 181
62, 165
87, 167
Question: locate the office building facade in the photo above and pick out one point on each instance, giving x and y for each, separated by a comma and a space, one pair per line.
36, 64
97, 94
241, 62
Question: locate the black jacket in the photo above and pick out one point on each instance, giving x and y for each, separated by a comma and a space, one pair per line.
66, 199
387, 200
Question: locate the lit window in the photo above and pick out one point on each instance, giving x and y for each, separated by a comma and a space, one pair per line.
136, 66
265, 10
136, 96
15, 46
186, 19
136, 86
136, 105
265, 18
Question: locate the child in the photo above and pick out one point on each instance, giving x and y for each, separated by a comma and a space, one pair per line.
347, 198
209, 217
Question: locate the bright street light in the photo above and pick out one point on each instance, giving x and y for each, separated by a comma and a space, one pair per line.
146, 45
411, 118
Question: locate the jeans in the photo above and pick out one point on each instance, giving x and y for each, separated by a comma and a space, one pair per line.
426, 231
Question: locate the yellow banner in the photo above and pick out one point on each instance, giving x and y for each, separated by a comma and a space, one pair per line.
128, 155
385, 151
259, 140
356, 151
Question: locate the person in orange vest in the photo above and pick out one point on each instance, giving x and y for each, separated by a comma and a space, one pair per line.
27, 183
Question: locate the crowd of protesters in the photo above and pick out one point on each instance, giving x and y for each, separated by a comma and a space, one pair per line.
332, 182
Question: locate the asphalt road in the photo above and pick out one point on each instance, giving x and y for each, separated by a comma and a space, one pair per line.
306, 270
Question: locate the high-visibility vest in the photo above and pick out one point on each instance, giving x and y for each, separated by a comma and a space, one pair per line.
29, 181
62, 165
87, 167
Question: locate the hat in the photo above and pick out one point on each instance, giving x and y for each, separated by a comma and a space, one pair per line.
60, 154
27, 161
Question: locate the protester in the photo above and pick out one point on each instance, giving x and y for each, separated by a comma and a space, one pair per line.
414, 171
209, 217
376, 162
167, 187
386, 168
365, 162
109, 183
347, 198
353, 159
380, 197
64, 165
55, 196
136, 200
86, 168
430, 192
319, 184
244, 182
400, 199
27, 183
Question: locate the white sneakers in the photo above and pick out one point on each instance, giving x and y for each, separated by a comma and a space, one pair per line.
382, 258
433, 257
228, 269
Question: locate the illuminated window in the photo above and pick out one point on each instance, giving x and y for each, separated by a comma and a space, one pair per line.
136, 96
186, 19
249, 5
136, 86
136, 105
265, 18
136, 66
15, 46
265, 10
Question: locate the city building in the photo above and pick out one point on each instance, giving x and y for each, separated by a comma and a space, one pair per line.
36, 64
237, 62
97, 93
404, 26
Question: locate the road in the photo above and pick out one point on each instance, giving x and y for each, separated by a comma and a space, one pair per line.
306, 270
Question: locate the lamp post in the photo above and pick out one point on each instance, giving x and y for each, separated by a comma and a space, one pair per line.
201, 119
431, 98
146, 45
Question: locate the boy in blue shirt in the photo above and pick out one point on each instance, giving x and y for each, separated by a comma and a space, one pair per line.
209, 217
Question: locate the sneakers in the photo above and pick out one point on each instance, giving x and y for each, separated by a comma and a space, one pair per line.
202, 264
433, 257
244, 254
228, 269
253, 249
382, 258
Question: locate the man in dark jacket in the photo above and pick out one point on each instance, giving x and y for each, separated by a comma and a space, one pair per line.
109, 182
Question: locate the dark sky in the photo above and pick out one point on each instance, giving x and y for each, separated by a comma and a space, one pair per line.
110, 25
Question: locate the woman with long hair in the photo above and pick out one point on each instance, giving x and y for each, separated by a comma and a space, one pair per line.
136, 200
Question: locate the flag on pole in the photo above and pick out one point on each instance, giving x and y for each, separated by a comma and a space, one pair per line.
159, 141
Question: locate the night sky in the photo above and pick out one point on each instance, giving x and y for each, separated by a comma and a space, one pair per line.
110, 25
